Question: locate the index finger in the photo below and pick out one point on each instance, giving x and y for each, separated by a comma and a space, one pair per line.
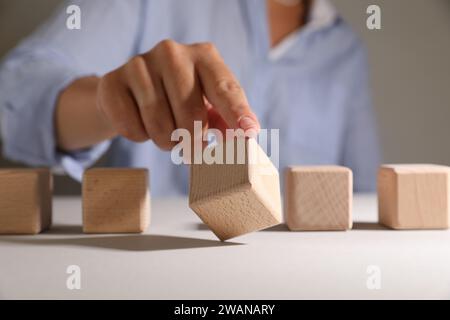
224, 92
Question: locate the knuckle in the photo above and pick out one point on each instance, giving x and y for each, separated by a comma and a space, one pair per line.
167, 44
168, 48
135, 63
207, 47
227, 87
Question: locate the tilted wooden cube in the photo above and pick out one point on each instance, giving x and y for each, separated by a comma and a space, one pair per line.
234, 199
318, 198
116, 200
25, 200
414, 196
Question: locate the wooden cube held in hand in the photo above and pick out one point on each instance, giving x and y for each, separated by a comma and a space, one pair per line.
234, 199
318, 198
414, 196
116, 200
25, 200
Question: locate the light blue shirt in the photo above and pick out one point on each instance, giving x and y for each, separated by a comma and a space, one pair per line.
313, 86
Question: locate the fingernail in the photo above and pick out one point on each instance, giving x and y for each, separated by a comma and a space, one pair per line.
247, 123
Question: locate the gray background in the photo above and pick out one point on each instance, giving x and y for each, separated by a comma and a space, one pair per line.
410, 71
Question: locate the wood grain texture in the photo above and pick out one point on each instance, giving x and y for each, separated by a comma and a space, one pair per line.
234, 199
318, 198
116, 200
414, 196
25, 200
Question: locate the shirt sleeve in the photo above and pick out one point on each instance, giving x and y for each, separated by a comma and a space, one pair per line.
361, 150
34, 73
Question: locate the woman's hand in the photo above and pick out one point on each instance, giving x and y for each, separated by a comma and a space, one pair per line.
170, 87
151, 95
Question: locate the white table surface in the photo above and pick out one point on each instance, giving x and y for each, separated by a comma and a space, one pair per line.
179, 258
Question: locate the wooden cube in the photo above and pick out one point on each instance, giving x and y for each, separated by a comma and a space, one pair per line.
25, 200
116, 200
414, 196
318, 198
237, 198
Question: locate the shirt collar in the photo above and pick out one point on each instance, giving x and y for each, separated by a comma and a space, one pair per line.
322, 14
